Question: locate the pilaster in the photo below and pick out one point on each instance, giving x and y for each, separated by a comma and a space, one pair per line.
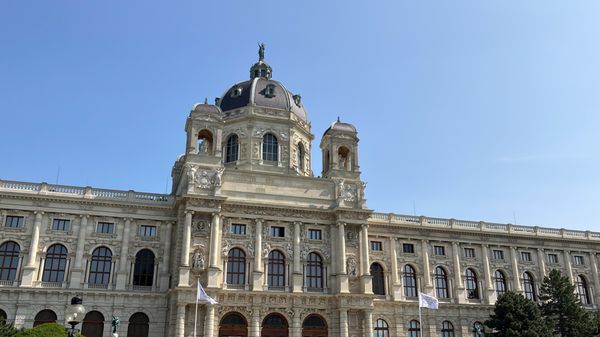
459, 292
297, 272
515, 270
184, 268
343, 285
365, 277
257, 274
30, 268
428, 287
122, 279
77, 271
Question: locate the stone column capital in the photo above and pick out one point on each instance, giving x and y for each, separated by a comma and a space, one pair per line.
84, 216
189, 211
38, 212
258, 221
128, 219
341, 224
364, 226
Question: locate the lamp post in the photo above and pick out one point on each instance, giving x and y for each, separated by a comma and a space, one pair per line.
75, 313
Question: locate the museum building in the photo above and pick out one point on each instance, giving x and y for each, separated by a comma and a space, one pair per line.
284, 253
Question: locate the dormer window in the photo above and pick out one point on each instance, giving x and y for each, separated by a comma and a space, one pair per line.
297, 100
236, 92
270, 91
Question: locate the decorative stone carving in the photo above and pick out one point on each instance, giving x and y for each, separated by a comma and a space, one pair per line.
351, 266
266, 250
280, 133
200, 226
198, 259
203, 178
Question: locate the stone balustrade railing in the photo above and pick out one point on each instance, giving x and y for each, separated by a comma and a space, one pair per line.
422, 221
85, 192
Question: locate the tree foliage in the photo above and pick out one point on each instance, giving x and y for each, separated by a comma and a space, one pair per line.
7, 329
516, 316
44, 330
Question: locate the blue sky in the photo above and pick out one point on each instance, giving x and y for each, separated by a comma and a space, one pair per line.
482, 110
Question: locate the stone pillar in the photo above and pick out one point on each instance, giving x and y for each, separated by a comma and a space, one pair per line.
214, 269
343, 285
542, 263
515, 270
254, 330
343, 323
209, 321
596, 277
297, 324
365, 277
297, 273
164, 277
428, 287
122, 279
180, 320
396, 287
489, 286
368, 323
30, 267
459, 292
257, 274
184, 266
77, 271
568, 266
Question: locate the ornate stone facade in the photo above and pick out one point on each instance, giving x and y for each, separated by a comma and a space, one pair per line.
279, 249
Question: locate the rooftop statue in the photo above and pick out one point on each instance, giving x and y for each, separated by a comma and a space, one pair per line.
261, 51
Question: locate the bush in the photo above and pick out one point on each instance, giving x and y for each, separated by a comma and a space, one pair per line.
44, 330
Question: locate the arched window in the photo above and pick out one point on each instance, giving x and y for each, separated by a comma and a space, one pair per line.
447, 329
471, 283
44, 316
138, 325
381, 329
205, 141
274, 325
100, 267
231, 149
441, 283
300, 157
500, 282
233, 324
378, 279
55, 264
3, 317
236, 267
9, 260
276, 270
344, 158
143, 271
478, 329
314, 325
414, 329
582, 290
93, 324
314, 271
410, 281
270, 148
529, 286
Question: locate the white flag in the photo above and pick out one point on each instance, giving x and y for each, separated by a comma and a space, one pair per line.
426, 301
203, 296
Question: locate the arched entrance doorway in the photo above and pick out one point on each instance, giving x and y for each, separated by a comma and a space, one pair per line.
275, 325
233, 324
314, 326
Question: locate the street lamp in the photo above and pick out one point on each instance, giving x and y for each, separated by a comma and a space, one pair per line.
75, 314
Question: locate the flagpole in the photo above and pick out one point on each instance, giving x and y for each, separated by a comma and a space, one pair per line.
196, 312
420, 318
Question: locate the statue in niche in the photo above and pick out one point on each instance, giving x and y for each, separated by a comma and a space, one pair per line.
218, 175
198, 260
351, 266
191, 173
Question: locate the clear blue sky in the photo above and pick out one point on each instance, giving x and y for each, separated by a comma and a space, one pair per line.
465, 109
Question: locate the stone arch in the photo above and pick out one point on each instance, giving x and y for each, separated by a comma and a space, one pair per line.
204, 142
314, 325
233, 323
275, 324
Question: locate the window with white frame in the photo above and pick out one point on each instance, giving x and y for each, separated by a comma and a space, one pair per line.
61, 224
147, 231
469, 252
105, 227
14, 221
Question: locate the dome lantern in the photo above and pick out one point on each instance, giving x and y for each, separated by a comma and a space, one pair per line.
260, 68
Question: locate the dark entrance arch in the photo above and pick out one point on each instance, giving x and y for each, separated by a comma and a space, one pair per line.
93, 324
275, 325
314, 326
233, 324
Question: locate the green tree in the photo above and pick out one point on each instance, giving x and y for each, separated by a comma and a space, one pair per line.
7, 329
516, 316
562, 308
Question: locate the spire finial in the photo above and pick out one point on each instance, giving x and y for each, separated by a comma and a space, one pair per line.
261, 51
338, 119
205, 100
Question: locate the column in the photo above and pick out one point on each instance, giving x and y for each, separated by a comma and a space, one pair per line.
77, 271
368, 323
123, 270
257, 274
568, 267
595, 276
343, 323
180, 320
254, 329
296, 324
365, 277
214, 269
164, 277
428, 287
396, 288
184, 266
487, 274
297, 274
542, 262
209, 321
343, 285
29, 269
458, 280
515, 268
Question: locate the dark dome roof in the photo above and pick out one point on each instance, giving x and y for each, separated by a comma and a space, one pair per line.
262, 92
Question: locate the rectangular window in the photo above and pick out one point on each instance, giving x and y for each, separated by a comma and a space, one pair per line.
278, 232
238, 228
552, 258
408, 248
14, 221
469, 252
498, 254
314, 234
376, 245
439, 250
526, 256
147, 230
578, 259
105, 227
60, 224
